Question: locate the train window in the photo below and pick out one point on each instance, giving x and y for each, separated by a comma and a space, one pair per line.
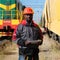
1, 17
6, 15
1, 14
14, 14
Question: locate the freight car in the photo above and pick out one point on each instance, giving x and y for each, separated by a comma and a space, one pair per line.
10, 17
51, 18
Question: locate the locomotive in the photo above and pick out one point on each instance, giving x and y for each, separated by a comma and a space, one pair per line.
10, 17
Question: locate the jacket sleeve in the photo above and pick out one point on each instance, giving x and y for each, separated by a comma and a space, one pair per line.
19, 37
14, 36
40, 36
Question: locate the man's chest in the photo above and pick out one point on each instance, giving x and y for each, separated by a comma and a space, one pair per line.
30, 32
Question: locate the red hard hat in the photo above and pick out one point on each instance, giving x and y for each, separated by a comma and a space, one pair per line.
28, 10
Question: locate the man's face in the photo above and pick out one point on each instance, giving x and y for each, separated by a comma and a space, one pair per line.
28, 17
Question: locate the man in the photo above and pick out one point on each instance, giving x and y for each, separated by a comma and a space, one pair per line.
28, 36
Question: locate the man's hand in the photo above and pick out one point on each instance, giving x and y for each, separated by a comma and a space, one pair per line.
40, 42
36, 42
27, 42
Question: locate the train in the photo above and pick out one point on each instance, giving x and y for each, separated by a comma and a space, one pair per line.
50, 19
10, 17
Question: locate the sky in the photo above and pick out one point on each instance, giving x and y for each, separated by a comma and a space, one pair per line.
37, 6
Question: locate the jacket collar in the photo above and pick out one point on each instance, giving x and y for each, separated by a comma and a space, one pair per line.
24, 22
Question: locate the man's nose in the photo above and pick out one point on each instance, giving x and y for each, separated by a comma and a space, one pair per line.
28, 15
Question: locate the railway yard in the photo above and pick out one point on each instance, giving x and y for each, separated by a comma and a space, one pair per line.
12, 13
